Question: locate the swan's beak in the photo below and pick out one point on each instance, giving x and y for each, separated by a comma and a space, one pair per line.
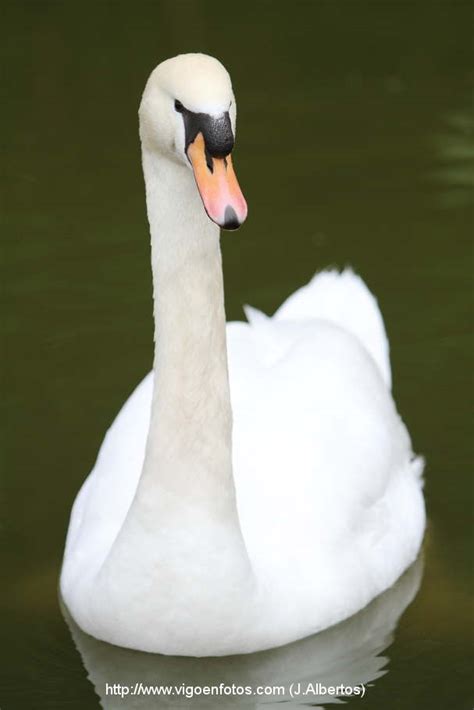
217, 185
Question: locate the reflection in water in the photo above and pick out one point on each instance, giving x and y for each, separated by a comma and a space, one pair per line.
455, 153
347, 654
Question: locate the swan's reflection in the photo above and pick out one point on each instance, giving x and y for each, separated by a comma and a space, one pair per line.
347, 654
454, 148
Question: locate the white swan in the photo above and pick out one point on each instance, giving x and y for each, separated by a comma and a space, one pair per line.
217, 519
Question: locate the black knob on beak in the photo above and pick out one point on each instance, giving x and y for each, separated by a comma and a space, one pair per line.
216, 130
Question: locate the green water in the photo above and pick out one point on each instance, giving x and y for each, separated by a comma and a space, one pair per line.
355, 146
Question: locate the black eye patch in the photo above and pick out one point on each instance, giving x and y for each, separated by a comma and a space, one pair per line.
217, 132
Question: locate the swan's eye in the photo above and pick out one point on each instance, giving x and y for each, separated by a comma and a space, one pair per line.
178, 106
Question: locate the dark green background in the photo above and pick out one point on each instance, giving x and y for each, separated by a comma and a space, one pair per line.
355, 146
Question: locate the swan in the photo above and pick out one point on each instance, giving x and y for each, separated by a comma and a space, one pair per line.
258, 485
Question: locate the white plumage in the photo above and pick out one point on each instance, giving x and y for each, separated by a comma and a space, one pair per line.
217, 523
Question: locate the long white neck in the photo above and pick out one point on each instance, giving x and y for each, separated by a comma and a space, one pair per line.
189, 448
182, 530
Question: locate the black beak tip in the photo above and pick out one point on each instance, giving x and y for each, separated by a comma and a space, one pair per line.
231, 221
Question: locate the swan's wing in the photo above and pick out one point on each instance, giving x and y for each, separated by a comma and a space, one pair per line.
318, 441
105, 497
344, 299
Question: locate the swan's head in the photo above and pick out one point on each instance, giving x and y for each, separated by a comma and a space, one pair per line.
188, 114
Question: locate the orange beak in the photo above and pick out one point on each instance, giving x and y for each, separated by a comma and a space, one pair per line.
218, 186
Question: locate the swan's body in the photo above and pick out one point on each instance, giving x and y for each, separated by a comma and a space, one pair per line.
219, 522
